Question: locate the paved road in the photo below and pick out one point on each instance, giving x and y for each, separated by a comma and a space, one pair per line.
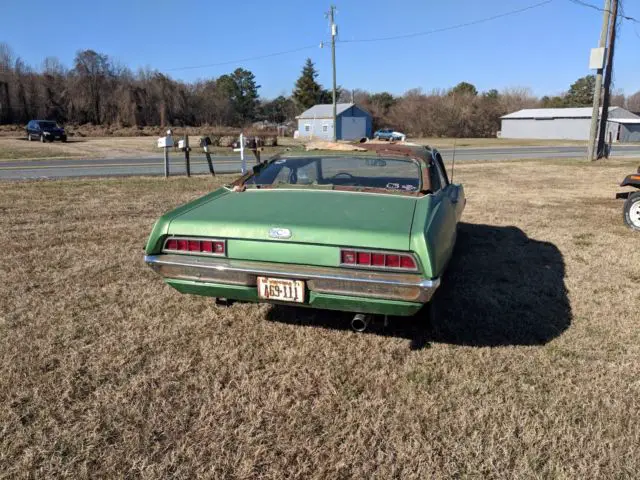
36, 169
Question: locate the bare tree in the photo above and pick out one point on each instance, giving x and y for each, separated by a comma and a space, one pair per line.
6, 60
92, 71
633, 102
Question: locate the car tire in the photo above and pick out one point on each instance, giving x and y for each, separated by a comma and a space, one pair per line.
631, 211
63, 139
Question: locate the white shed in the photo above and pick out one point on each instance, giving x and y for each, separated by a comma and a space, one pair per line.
561, 123
317, 122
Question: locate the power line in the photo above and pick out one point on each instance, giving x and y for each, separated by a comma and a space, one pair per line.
308, 47
452, 27
600, 9
588, 5
247, 59
398, 37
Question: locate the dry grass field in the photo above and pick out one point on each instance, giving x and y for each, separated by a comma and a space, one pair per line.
531, 370
19, 148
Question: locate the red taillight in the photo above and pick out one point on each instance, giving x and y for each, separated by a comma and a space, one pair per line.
377, 259
364, 258
391, 261
348, 257
218, 247
407, 262
194, 245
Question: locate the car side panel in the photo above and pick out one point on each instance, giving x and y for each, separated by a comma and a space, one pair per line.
433, 234
161, 227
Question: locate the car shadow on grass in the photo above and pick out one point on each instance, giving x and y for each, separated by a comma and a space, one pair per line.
501, 288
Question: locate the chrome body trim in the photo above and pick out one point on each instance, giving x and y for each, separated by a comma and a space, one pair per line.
406, 286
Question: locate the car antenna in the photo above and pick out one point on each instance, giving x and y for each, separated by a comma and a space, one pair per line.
453, 164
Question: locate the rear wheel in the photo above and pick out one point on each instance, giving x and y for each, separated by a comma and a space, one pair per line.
632, 211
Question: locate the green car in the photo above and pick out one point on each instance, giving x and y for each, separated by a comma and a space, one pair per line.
368, 230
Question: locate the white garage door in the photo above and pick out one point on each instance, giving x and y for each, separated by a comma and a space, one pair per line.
353, 128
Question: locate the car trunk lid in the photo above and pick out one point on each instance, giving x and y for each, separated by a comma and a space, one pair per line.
320, 217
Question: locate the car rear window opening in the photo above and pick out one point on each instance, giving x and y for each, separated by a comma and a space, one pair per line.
345, 171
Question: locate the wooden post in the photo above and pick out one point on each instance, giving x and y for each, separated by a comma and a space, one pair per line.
206, 152
601, 149
166, 162
187, 163
254, 146
593, 132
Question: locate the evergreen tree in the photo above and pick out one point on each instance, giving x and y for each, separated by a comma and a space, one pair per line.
464, 89
581, 92
278, 110
241, 89
308, 92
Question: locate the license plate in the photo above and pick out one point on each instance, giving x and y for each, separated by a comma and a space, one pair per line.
281, 289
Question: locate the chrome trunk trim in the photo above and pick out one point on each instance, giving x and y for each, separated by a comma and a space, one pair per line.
408, 287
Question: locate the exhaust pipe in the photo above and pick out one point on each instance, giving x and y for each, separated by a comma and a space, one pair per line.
223, 302
360, 322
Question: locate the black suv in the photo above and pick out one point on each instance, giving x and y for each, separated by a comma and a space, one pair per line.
45, 130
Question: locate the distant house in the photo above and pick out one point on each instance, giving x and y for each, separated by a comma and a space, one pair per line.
569, 124
317, 122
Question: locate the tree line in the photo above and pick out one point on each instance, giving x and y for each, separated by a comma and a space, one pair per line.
97, 89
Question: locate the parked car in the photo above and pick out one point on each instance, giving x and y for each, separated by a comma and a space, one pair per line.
45, 130
388, 134
367, 232
631, 209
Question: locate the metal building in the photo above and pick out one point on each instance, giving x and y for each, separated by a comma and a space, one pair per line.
317, 122
568, 124
624, 130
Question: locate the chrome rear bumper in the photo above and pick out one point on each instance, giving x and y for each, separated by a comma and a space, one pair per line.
338, 281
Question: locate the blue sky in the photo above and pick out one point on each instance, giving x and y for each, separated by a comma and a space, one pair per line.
545, 49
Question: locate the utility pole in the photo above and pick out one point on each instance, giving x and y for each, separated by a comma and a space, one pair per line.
334, 33
606, 95
598, 89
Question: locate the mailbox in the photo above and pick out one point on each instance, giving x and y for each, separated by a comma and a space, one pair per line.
182, 145
165, 142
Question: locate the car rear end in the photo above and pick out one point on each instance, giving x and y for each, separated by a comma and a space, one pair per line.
323, 249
